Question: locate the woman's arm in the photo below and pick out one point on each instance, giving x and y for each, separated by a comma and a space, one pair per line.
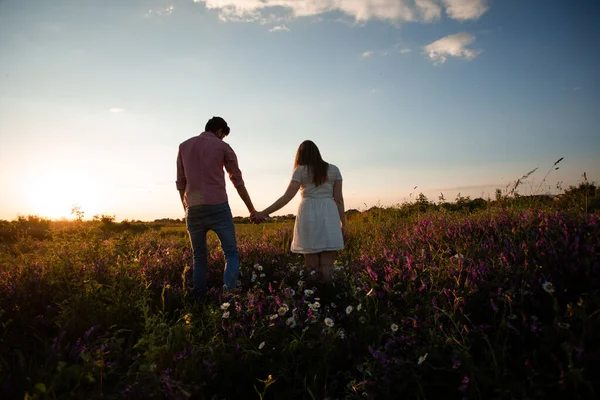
338, 197
289, 194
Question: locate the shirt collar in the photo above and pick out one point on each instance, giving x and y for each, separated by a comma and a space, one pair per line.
206, 133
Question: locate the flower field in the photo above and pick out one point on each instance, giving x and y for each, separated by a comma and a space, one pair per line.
498, 303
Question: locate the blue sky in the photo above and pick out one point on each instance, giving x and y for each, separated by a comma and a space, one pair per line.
446, 95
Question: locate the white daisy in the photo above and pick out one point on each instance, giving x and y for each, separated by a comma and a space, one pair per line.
283, 310
548, 287
291, 322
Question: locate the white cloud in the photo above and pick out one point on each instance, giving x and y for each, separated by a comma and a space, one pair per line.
451, 46
397, 49
279, 28
160, 11
429, 10
462, 10
234, 14
367, 54
275, 19
116, 110
360, 10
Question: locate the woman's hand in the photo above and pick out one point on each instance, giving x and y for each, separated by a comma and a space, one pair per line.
258, 216
254, 217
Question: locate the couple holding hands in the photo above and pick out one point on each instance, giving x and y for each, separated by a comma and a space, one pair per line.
320, 221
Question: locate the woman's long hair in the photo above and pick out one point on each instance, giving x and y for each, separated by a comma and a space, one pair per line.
308, 154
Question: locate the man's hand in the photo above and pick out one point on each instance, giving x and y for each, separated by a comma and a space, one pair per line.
258, 216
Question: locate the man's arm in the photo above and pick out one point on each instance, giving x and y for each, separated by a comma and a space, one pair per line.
243, 192
181, 180
182, 196
235, 175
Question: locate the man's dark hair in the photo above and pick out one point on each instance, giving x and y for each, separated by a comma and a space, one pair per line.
216, 123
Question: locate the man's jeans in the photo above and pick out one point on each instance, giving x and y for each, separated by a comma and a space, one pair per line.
217, 217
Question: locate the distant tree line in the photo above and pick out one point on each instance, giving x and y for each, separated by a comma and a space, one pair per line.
584, 197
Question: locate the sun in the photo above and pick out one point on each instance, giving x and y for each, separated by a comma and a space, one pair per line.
53, 192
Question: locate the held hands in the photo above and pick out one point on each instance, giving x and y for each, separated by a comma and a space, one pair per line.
258, 216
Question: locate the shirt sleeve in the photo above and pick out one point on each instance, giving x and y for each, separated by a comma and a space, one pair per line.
181, 180
231, 165
338, 174
297, 175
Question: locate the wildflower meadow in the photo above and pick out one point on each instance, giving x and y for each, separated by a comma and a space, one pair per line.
467, 300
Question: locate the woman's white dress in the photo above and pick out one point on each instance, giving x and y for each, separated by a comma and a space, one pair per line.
317, 226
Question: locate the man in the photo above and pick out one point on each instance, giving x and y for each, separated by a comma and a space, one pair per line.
201, 186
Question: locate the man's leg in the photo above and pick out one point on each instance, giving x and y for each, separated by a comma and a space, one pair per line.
225, 230
197, 232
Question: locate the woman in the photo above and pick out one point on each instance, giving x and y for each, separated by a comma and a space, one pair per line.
320, 221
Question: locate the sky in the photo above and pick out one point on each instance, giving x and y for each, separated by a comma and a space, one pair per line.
404, 96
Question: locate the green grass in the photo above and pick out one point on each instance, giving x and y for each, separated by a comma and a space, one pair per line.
426, 303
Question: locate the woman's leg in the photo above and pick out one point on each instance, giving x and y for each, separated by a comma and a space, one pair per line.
326, 264
312, 261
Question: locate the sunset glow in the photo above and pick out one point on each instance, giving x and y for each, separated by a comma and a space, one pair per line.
449, 96
54, 192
